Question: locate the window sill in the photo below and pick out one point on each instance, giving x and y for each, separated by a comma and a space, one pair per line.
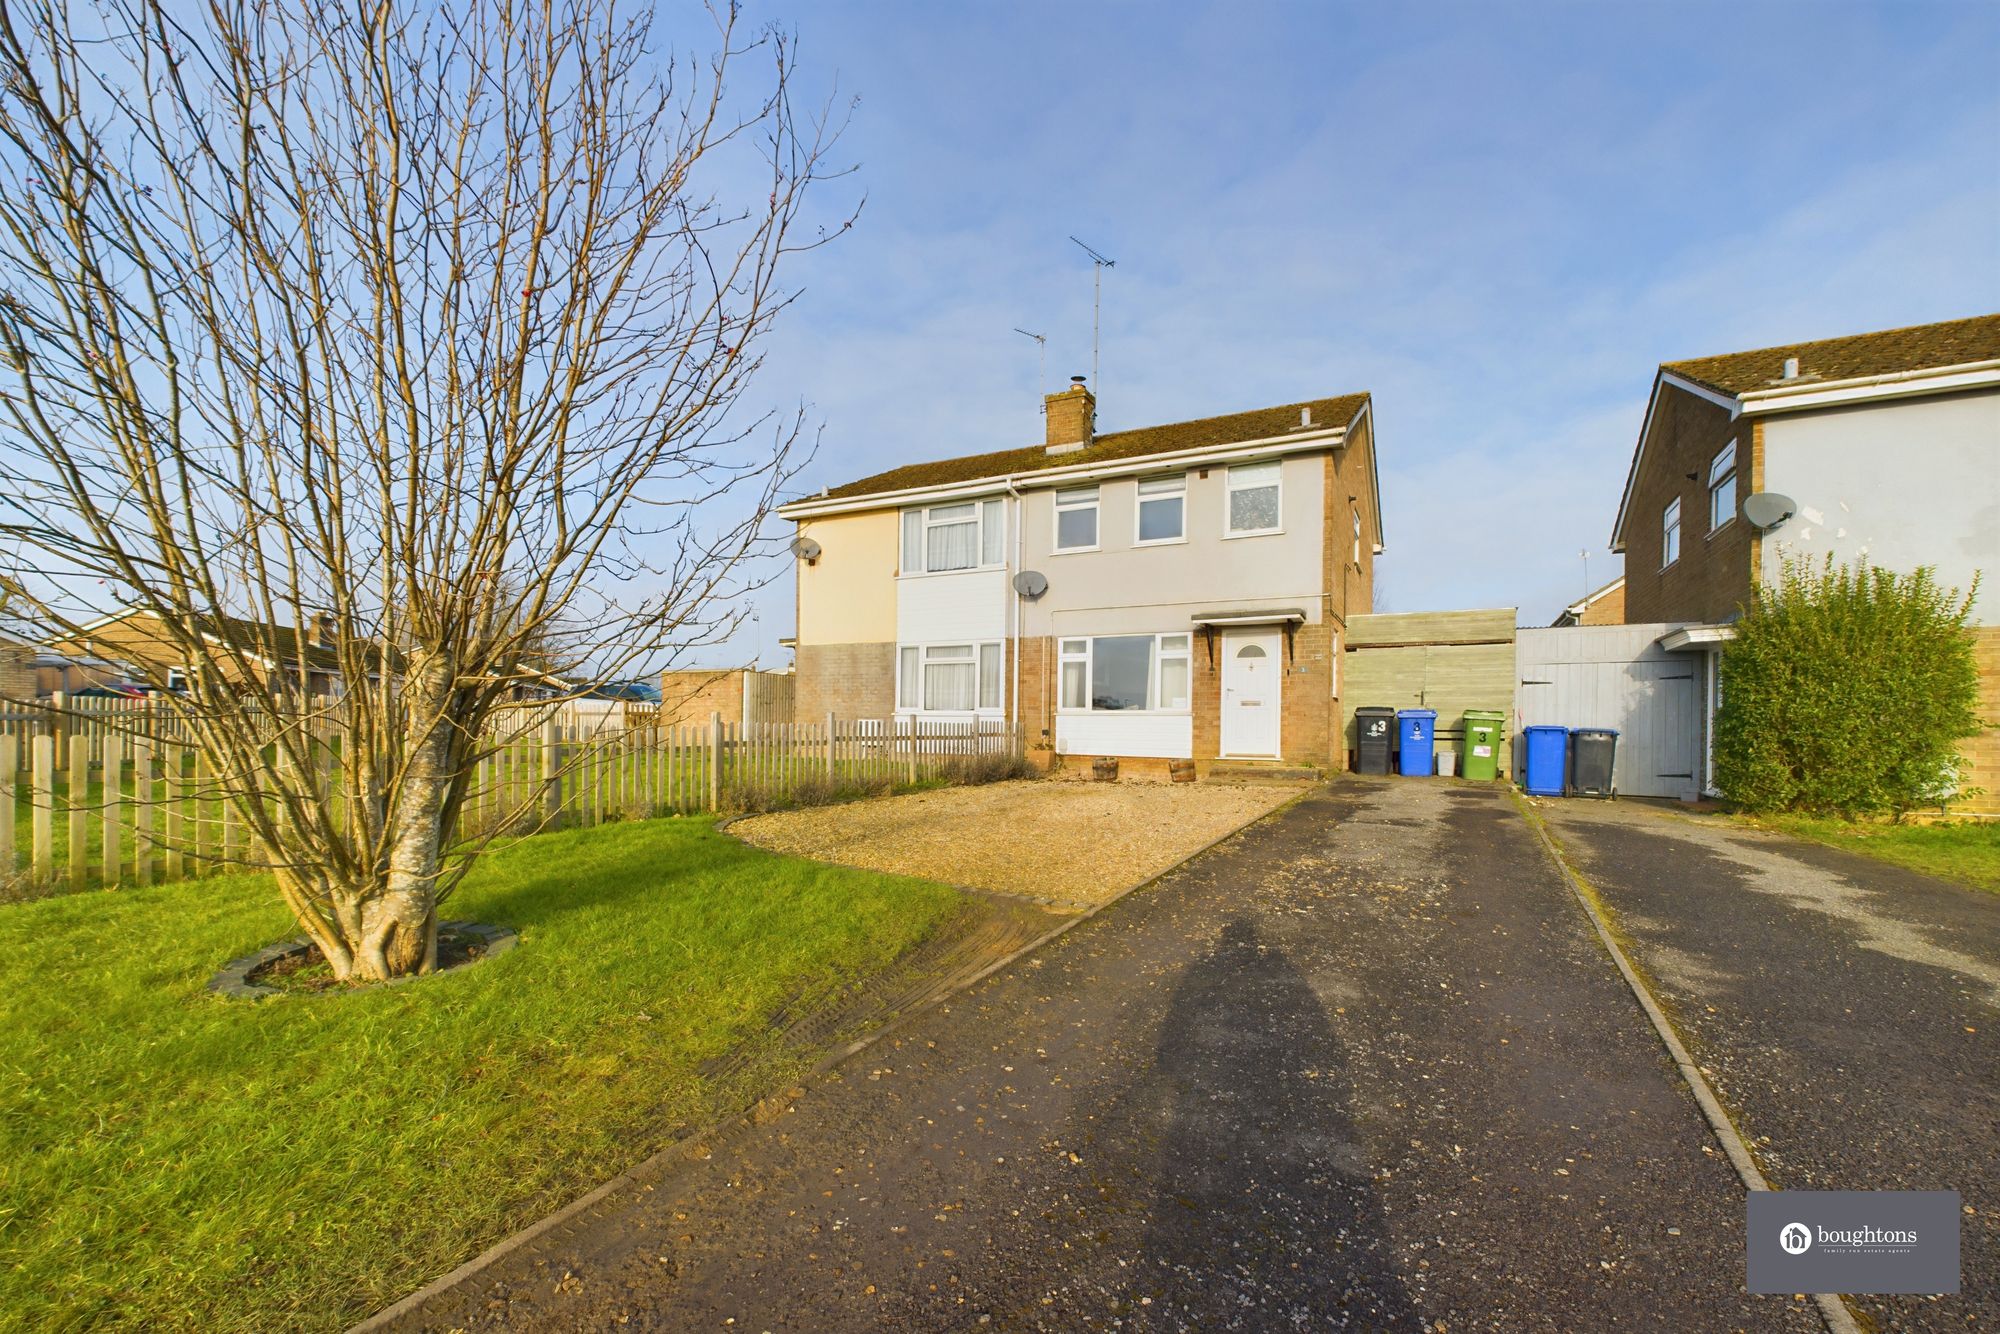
1163, 542
1073, 551
946, 574
1124, 713
1719, 527
1256, 532
1670, 564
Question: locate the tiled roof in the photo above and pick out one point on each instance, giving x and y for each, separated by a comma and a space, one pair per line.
1264, 423
1919, 347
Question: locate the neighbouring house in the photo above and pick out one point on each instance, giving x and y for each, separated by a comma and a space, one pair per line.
271, 655
1606, 606
1171, 592
17, 669
691, 696
1879, 445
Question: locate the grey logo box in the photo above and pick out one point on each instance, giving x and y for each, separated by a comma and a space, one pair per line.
1853, 1241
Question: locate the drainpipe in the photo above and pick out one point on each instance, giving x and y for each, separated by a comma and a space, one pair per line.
1019, 523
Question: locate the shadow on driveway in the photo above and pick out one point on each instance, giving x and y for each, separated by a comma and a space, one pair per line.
1264, 1201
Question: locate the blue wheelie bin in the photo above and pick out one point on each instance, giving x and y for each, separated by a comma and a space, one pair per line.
1417, 729
1546, 760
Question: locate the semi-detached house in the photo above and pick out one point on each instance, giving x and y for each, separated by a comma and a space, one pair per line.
1178, 591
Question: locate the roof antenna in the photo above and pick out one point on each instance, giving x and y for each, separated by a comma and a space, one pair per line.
1096, 304
1042, 366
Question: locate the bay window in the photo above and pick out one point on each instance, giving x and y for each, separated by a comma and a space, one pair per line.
964, 536
1722, 487
1253, 499
1113, 673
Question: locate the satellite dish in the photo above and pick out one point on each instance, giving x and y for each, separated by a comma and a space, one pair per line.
1768, 509
1031, 583
805, 549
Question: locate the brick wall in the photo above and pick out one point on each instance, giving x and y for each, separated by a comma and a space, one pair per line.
1714, 574
17, 678
847, 680
1984, 749
687, 698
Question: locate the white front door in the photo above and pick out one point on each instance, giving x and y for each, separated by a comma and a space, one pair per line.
1252, 675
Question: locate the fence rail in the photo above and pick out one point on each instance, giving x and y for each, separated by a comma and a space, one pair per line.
102, 793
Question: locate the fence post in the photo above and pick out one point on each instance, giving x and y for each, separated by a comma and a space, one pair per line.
8, 759
59, 727
142, 811
715, 761
916, 730
551, 774
114, 808
78, 795
174, 785
44, 797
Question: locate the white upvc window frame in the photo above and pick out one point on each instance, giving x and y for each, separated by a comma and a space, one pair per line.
1670, 533
1236, 478
1357, 537
1076, 500
1167, 646
989, 537
976, 653
1722, 471
1172, 486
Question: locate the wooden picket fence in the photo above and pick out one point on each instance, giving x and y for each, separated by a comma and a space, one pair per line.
102, 797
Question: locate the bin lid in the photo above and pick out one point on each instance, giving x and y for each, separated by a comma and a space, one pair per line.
1545, 727
1594, 731
1374, 710
1487, 715
1416, 713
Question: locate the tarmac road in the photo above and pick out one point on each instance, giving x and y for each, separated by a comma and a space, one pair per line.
1363, 1066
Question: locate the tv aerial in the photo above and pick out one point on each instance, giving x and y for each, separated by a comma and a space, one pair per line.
1042, 365
1096, 301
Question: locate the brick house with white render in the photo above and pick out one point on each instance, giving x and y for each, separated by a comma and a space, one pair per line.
1185, 595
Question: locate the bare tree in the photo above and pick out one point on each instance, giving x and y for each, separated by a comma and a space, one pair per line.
432, 327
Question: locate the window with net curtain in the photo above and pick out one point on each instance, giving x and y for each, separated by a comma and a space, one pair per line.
1253, 498
950, 678
954, 537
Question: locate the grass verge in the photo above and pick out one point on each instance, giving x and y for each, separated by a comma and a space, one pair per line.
1967, 852
172, 1160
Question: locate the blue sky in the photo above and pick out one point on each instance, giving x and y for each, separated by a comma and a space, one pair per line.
1496, 218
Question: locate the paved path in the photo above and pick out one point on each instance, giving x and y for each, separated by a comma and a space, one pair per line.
1363, 1066
1848, 1013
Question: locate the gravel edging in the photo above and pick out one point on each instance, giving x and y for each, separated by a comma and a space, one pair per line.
1832, 1310
760, 1110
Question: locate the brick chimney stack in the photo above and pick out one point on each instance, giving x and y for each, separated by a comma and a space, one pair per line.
1072, 416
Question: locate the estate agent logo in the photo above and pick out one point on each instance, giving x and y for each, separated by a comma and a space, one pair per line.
1852, 1241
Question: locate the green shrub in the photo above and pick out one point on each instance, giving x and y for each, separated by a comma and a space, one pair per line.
1845, 691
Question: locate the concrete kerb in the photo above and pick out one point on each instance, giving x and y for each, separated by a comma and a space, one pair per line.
681, 1149
1832, 1310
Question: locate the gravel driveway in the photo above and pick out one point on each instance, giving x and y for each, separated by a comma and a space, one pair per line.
1072, 844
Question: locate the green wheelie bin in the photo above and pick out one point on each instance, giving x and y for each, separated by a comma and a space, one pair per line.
1483, 730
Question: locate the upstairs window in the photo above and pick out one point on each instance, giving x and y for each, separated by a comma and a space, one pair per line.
1357, 539
1253, 499
1670, 533
954, 537
1162, 509
1722, 487
1076, 519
